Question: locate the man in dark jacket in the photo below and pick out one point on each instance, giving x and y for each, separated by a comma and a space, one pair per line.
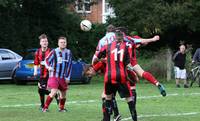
179, 59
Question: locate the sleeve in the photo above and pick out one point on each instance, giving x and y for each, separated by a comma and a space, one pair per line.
98, 48
36, 59
196, 54
130, 53
69, 68
98, 66
133, 40
49, 59
175, 55
102, 52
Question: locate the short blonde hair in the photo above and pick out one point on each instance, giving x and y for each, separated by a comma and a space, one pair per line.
62, 37
42, 36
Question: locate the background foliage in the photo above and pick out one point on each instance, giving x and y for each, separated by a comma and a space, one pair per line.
22, 21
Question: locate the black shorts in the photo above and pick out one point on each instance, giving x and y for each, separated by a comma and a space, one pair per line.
124, 90
43, 83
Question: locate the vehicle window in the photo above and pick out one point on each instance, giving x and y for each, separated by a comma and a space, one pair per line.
5, 55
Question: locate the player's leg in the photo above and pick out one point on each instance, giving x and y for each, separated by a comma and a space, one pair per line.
63, 90
62, 101
183, 77
132, 108
108, 109
42, 97
177, 76
53, 85
125, 92
109, 89
49, 99
144, 74
114, 106
42, 85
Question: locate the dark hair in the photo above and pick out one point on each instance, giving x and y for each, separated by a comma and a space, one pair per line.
42, 36
110, 28
122, 29
119, 33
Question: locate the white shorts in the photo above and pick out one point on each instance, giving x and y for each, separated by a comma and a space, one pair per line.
179, 73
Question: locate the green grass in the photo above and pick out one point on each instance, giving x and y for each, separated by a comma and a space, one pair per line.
21, 103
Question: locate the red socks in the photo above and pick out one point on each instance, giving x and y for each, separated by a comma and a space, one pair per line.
149, 77
62, 103
48, 101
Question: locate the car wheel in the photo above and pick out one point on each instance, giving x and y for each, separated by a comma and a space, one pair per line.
86, 80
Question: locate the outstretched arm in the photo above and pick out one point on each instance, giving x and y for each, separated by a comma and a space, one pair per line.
146, 41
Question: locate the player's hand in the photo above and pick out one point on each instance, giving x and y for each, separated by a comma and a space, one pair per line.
50, 69
35, 73
67, 81
39, 85
156, 38
162, 90
89, 71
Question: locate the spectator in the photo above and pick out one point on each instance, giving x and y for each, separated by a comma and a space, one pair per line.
179, 59
196, 57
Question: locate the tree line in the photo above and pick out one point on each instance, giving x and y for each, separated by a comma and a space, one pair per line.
22, 21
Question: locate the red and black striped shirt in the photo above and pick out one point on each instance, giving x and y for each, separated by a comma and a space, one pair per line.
118, 56
39, 60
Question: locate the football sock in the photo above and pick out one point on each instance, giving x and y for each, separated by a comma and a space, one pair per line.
114, 107
48, 101
134, 96
104, 108
41, 94
108, 110
132, 110
62, 103
149, 77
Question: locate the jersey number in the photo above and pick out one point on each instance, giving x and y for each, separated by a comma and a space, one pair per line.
120, 52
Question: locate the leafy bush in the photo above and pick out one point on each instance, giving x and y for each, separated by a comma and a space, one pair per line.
156, 62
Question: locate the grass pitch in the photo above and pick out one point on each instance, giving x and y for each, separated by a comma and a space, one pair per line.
21, 103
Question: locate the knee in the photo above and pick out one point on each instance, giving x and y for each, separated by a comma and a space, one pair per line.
129, 99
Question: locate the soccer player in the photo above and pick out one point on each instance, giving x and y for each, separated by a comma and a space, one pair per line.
118, 55
59, 64
107, 39
136, 67
133, 77
40, 55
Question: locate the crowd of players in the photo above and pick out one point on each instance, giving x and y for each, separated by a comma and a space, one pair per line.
115, 57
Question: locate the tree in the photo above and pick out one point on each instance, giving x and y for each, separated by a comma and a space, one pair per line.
175, 20
22, 21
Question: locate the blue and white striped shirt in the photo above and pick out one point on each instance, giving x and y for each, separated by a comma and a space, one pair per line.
61, 62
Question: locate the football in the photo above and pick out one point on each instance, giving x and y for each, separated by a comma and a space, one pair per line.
86, 25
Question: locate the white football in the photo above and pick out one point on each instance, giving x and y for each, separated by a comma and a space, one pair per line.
86, 25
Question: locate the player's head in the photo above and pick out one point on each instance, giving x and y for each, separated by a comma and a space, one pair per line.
182, 48
62, 42
43, 40
110, 28
122, 29
119, 36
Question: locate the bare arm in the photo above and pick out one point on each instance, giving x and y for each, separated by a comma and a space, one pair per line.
146, 41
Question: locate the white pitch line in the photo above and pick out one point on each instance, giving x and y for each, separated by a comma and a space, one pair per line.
163, 115
92, 101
